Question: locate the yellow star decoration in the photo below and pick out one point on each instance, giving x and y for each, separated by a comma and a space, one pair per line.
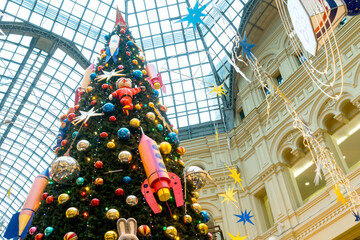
9, 193
228, 195
218, 89
237, 237
235, 175
340, 196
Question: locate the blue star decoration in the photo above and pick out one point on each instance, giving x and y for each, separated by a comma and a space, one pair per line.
357, 216
245, 217
246, 48
195, 15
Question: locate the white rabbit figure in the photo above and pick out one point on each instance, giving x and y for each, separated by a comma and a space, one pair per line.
127, 229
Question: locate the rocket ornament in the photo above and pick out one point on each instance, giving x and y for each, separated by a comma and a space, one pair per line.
113, 49
159, 180
20, 222
155, 78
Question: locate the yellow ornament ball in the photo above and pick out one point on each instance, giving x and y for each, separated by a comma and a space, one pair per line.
165, 148
171, 232
110, 145
202, 228
103, 55
157, 86
113, 214
175, 130
180, 150
151, 104
138, 107
194, 200
135, 123
63, 198
135, 62
71, 212
150, 116
195, 195
110, 235
196, 207
160, 207
144, 72
187, 219
89, 89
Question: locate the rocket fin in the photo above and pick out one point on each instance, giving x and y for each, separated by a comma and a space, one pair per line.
12, 231
175, 184
23, 234
108, 54
148, 193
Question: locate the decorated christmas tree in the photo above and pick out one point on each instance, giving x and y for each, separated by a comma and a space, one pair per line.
118, 172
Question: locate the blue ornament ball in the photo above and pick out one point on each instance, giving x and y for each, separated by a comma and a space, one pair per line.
130, 43
160, 127
123, 134
156, 93
107, 37
74, 134
127, 179
108, 108
80, 181
48, 231
205, 215
137, 74
173, 138
93, 76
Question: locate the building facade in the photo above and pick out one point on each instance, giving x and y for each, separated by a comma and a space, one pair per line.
276, 168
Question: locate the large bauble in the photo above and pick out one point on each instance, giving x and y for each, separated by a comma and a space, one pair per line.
123, 134
108, 108
70, 236
48, 231
125, 157
32, 230
171, 232
65, 170
173, 138
63, 198
150, 116
95, 202
196, 207
110, 235
83, 145
99, 181
112, 214
165, 148
202, 228
80, 181
180, 150
144, 231
134, 123
71, 212
137, 74
195, 195
197, 176
39, 236
205, 215
110, 145
119, 192
187, 219
132, 200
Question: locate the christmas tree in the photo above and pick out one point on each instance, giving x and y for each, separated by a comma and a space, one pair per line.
118, 171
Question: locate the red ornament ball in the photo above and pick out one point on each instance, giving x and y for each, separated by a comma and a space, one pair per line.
104, 134
128, 53
49, 199
70, 236
76, 107
81, 93
44, 196
93, 102
105, 86
99, 181
99, 164
112, 119
144, 231
39, 236
180, 150
122, 31
63, 142
71, 116
119, 192
163, 108
95, 202
100, 68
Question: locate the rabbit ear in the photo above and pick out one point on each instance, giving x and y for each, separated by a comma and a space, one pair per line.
121, 226
132, 226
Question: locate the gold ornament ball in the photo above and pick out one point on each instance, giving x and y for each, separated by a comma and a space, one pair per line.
89, 89
157, 86
144, 72
151, 104
195, 195
63, 198
110, 235
194, 200
72, 212
171, 232
187, 219
202, 228
160, 207
165, 148
135, 62
135, 123
110, 145
196, 208
138, 107
132, 200
150, 116
125, 157
83, 145
196, 176
175, 130
113, 214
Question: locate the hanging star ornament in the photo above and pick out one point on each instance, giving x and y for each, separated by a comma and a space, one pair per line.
9, 193
246, 48
218, 90
237, 237
228, 195
340, 196
195, 15
235, 175
245, 217
109, 75
356, 215
85, 116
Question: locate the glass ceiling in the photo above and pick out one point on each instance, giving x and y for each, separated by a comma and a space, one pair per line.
38, 79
